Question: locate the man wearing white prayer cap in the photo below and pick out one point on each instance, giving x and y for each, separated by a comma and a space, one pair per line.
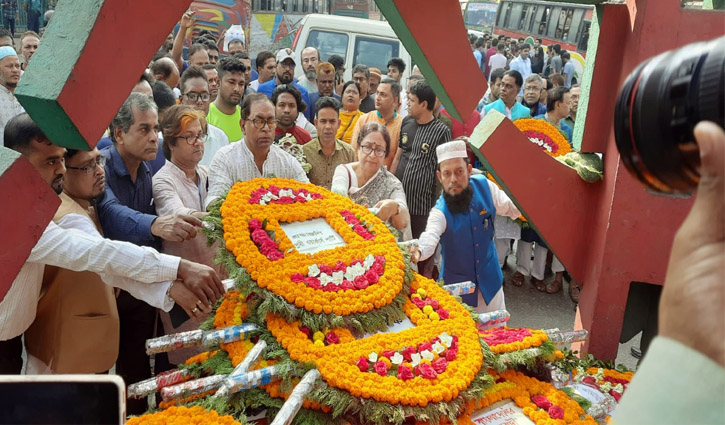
9, 78
462, 221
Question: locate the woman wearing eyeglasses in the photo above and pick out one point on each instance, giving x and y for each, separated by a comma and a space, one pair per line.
180, 187
368, 181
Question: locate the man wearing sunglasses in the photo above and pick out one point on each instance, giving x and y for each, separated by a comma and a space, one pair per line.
195, 92
255, 155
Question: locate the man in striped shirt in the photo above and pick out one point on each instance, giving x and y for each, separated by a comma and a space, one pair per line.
415, 162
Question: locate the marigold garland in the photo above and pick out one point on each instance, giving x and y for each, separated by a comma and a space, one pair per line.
523, 390
545, 135
237, 212
183, 416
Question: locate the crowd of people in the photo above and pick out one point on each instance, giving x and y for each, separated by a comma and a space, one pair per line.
192, 127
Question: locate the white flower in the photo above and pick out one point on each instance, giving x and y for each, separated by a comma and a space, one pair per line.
426, 354
285, 192
438, 347
325, 279
349, 275
373, 357
358, 269
606, 386
415, 359
313, 270
369, 261
397, 359
445, 339
619, 388
337, 277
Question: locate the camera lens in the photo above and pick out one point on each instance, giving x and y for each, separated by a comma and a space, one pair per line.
658, 107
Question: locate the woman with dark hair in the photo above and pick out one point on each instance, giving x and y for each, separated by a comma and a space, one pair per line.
368, 182
537, 61
350, 112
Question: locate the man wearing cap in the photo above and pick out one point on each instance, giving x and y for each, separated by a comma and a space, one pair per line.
462, 220
375, 76
9, 78
285, 75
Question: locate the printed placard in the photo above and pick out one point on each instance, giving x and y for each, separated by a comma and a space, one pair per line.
312, 235
504, 412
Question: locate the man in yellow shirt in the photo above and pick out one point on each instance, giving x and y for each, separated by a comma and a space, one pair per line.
225, 111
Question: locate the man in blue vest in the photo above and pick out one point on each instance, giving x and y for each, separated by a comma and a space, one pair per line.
462, 220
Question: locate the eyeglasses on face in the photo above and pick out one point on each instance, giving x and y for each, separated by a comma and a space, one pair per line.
260, 123
367, 150
91, 167
195, 96
193, 138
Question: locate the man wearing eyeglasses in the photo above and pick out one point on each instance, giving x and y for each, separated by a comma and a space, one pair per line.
255, 155
195, 92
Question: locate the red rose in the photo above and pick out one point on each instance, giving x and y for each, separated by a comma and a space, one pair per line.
418, 302
362, 364
615, 394
427, 371
330, 287
346, 284
305, 330
274, 189
425, 346
371, 277
360, 282
451, 355
340, 267
442, 313
381, 368
388, 353
405, 372
268, 245
556, 412
434, 304
331, 338
589, 380
369, 236
255, 224
440, 365
300, 198
275, 255
359, 229
326, 269
541, 401
313, 282
254, 200
379, 259
378, 269
316, 196
407, 352
454, 343
259, 235
298, 277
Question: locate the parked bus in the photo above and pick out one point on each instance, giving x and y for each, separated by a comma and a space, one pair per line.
353, 8
564, 23
480, 15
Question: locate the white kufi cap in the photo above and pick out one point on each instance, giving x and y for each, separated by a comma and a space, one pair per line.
450, 150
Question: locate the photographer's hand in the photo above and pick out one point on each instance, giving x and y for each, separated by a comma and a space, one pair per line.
691, 309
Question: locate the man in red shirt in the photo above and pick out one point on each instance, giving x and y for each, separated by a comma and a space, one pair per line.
288, 105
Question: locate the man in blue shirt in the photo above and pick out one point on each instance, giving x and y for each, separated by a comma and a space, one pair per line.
285, 75
568, 70
127, 213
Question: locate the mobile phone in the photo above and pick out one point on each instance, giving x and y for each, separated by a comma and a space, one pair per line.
62, 399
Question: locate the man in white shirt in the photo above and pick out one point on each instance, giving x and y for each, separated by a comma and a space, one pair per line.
522, 63
255, 155
117, 263
195, 92
9, 78
266, 68
462, 220
499, 59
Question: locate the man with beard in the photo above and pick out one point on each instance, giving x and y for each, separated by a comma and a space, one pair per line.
143, 272
285, 75
462, 220
9, 78
533, 87
255, 155
325, 85
310, 60
195, 92
225, 111
288, 104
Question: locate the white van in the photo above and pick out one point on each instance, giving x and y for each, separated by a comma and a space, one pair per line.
359, 41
